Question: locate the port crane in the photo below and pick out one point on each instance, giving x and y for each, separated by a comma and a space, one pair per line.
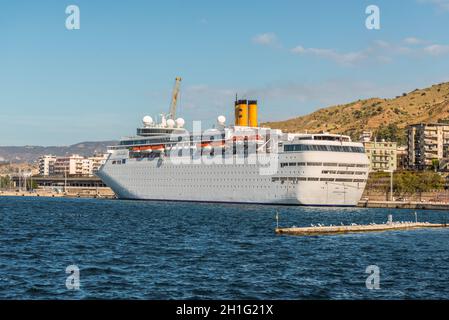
174, 99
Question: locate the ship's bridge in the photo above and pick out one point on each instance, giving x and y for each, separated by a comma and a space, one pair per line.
318, 136
159, 131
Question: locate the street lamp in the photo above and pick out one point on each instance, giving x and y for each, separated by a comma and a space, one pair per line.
391, 183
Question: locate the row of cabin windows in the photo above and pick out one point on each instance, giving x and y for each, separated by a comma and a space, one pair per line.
180, 138
342, 172
326, 164
296, 179
311, 147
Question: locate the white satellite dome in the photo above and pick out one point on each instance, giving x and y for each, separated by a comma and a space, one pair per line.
221, 120
147, 121
170, 123
180, 122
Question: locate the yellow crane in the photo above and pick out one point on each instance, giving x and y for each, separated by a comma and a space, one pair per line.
174, 99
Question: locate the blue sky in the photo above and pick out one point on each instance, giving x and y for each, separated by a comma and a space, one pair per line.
60, 87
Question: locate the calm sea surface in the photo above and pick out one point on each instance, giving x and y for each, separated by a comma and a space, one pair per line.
159, 250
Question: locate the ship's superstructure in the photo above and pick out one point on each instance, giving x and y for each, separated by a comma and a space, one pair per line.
241, 163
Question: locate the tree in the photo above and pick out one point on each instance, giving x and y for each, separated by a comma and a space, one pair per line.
5, 182
408, 182
435, 165
391, 132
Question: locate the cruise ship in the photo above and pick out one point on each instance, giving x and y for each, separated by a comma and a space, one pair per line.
236, 163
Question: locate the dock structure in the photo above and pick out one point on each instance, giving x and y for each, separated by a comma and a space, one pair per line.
329, 230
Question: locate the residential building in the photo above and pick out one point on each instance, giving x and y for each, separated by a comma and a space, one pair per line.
366, 136
70, 166
402, 157
382, 155
97, 161
428, 143
46, 165
74, 165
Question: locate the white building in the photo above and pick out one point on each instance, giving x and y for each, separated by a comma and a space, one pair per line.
70, 166
97, 161
46, 165
428, 143
382, 155
74, 165
366, 136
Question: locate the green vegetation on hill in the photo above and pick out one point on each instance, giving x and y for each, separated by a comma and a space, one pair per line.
390, 132
387, 118
406, 183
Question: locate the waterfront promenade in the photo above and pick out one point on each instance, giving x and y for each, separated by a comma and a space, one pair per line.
71, 193
427, 205
108, 194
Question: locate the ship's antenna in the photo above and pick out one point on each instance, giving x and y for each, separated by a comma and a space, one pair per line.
277, 220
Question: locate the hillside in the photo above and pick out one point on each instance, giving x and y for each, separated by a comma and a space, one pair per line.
376, 114
32, 153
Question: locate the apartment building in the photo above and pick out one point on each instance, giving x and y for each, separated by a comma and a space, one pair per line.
382, 155
427, 143
70, 166
74, 165
402, 157
46, 165
97, 161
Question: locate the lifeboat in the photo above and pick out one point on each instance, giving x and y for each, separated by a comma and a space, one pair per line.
146, 149
218, 143
206, 146
149, 149
158, 148
250, 138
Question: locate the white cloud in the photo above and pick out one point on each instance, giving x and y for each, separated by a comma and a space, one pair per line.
441, 5
413, 41
387, 48
265, 39
437, 49
348, 58
379, 51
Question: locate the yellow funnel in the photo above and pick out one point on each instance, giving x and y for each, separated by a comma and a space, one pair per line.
241, 113
252, 112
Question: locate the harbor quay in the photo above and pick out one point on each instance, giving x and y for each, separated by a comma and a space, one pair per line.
82, 187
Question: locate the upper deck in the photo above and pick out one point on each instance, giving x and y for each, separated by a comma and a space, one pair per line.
321, 142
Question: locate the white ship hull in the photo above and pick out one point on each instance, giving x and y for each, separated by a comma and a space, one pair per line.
298, 184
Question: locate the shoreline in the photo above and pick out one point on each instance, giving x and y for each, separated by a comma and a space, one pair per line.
404, 205
47, 194
362, 204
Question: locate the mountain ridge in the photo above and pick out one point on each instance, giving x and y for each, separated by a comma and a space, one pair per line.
17, 154
429, 104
